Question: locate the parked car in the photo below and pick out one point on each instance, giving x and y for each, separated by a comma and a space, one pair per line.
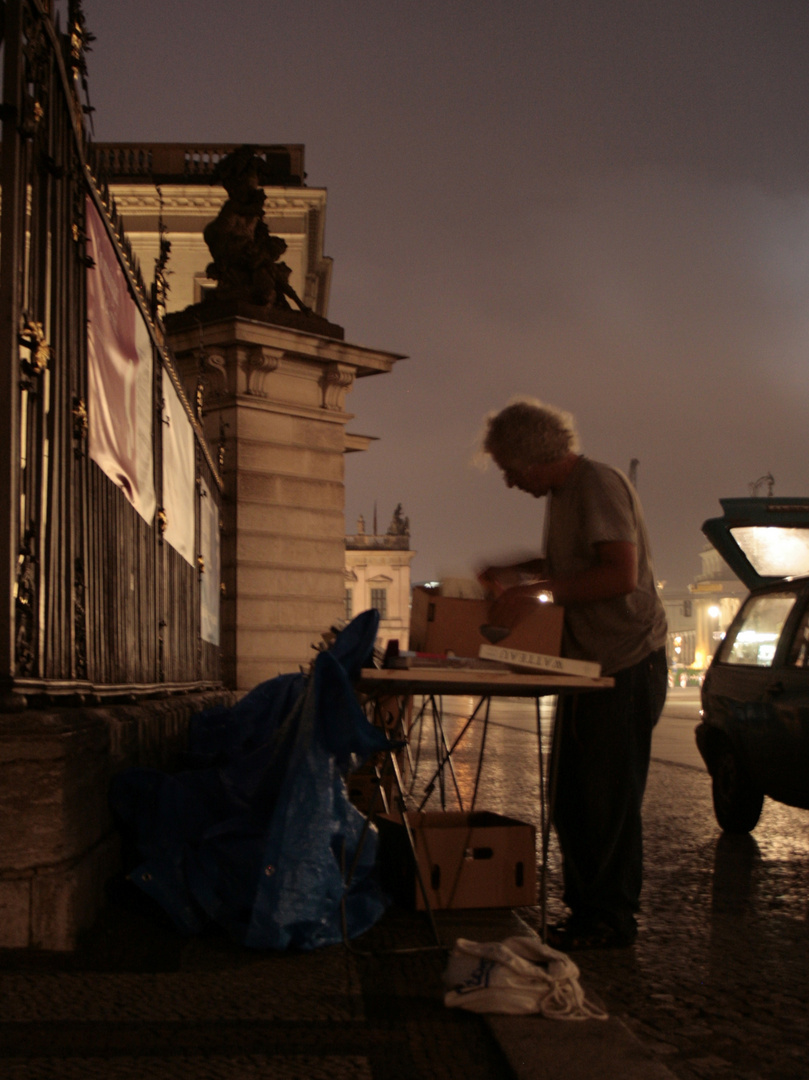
754, 733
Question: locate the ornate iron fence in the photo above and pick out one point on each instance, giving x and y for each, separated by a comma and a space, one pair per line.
94, 602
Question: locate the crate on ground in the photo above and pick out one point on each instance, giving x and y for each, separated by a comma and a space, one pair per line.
467, 860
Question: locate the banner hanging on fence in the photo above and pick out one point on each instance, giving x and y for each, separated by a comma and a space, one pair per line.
179, 473
211, 577
120, 372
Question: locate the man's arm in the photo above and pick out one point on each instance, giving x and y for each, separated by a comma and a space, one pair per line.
497, 579
614, 573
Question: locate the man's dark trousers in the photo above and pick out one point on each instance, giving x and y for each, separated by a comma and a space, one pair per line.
603, 740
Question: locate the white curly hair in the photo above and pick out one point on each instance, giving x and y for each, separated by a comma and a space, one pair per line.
528, 432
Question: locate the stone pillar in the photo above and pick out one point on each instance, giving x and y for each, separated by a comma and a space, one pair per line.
272, 397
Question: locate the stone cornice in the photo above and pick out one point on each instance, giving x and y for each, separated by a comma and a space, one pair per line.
134, 197
356, 443
292, 343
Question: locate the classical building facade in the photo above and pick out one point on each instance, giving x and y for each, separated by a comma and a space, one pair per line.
377, 575
270, 384
112, 490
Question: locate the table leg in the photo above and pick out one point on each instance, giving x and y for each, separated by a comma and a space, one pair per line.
445, 757
550, 800
480, 753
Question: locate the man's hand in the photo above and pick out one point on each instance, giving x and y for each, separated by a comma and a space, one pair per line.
614, 573
496, 579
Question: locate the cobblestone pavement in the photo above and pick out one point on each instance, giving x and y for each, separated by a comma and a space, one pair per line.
717, 986
138, 1002
718, 982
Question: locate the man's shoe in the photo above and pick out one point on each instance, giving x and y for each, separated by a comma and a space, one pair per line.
575, 935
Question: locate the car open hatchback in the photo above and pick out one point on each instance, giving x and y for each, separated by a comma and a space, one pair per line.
754, 733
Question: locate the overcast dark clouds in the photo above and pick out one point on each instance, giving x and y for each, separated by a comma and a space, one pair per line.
603, 204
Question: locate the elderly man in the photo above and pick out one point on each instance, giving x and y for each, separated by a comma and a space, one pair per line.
597, 565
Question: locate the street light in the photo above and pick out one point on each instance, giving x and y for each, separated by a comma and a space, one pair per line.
714, 612
716, 633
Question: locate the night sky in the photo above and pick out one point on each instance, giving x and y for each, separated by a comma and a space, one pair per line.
602, 204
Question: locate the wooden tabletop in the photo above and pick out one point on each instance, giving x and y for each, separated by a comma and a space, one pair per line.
483, 683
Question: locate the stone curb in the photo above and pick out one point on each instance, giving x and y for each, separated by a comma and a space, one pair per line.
536, 1047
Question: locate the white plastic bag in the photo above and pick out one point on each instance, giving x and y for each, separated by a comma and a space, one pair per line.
519, 975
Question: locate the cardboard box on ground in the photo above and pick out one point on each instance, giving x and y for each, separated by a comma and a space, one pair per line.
467, 860
451, 625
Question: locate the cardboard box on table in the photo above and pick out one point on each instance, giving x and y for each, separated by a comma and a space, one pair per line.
448, 624
467, 860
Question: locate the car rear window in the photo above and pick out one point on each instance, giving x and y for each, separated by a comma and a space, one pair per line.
774, 551
754, 638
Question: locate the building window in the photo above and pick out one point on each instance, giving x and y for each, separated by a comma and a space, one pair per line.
687, 608
379, 600
349, 604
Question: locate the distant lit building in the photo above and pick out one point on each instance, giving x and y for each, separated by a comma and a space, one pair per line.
378, 576
717, 594
699, 615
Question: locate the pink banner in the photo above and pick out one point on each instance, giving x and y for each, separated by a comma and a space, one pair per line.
120, 365
179, 474
210, 551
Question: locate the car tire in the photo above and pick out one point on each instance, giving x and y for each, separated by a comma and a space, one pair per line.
736, 801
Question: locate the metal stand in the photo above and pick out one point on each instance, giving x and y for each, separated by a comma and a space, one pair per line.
379, 791
402, 686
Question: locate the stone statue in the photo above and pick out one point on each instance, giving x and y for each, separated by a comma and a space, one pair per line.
399, 525
245, 254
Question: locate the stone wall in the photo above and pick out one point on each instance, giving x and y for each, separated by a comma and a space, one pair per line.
58, 846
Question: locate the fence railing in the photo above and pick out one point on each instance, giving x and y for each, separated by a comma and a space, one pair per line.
97, 596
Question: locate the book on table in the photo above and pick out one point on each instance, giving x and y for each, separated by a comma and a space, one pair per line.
531, 661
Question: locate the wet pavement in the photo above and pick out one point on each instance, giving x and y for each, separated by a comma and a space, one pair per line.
717, 985
140, 1003
718, 982
716, 988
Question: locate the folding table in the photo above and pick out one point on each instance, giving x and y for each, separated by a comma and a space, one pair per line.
431, 683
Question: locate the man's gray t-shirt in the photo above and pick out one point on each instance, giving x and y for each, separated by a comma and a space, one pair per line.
597, 504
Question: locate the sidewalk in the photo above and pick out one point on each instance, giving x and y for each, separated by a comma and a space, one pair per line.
536, 1048
138, 1001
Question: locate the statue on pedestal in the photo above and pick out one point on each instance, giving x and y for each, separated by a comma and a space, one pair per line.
246, 259
245, 254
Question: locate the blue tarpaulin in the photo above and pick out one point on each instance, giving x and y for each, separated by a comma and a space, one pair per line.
253, 833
